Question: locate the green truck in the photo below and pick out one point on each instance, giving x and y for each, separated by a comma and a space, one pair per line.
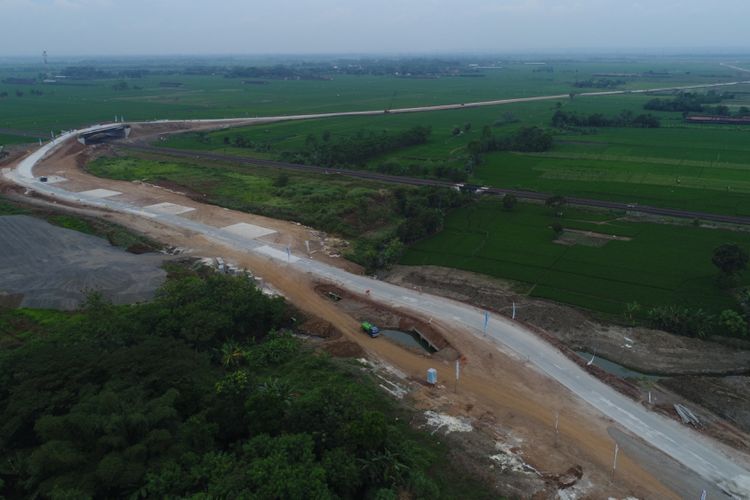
370, 329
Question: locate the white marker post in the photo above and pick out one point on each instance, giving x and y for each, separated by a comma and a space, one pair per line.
614, 462
288, 254
486, 321
557, 428
513, 316
458, 374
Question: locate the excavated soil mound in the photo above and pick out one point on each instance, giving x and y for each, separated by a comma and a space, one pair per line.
365, 309
320, 328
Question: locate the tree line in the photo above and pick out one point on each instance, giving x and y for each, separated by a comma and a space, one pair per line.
599, 83
199, 393
625, 118
354, 150
687, 102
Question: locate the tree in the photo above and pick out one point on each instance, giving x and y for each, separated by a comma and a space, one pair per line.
557, 230
556, 202
509, 201
732, 323
731, 260
281, 180
467, 126
632, 309
456, 131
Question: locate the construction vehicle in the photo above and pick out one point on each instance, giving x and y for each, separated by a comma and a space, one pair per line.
370, 329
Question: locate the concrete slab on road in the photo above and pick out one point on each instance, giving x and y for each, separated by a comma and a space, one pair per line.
250, 231
100, 193
169, 208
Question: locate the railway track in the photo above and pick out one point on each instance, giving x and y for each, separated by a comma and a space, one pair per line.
415, 181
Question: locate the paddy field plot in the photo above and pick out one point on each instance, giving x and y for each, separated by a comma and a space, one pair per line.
653, 264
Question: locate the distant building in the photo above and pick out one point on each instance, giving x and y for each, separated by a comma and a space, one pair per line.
728, 120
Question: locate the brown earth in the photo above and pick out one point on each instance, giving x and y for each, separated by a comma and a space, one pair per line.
727, 397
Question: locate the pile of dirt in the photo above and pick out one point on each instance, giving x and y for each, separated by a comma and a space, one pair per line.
365, 309
320, 328
344, 349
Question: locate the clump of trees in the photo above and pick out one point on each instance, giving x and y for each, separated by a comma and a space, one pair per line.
421, 213
731, 260
509, 202
355, 149
557, 204
525, 139
562, 119
196, 394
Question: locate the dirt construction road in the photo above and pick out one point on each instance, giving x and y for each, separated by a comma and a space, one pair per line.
511, 371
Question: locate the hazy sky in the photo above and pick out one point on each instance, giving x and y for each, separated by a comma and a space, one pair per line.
91, 27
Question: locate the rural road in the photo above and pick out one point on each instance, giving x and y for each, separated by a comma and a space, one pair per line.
417, 181
720, 468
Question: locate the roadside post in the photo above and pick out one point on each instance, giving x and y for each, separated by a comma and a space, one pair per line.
614, 461
458, 374
557, 428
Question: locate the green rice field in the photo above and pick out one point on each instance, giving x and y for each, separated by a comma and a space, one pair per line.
652, 264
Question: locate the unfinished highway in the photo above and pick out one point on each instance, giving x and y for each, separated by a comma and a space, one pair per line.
722, 471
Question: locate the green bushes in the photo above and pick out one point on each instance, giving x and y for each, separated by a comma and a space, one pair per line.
189, 395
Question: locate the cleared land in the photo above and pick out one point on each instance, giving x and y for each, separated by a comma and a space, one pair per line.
653, 264
54, 268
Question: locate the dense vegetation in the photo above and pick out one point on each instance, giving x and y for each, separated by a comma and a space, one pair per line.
626, 118
525, 139
198, 393
354, 149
